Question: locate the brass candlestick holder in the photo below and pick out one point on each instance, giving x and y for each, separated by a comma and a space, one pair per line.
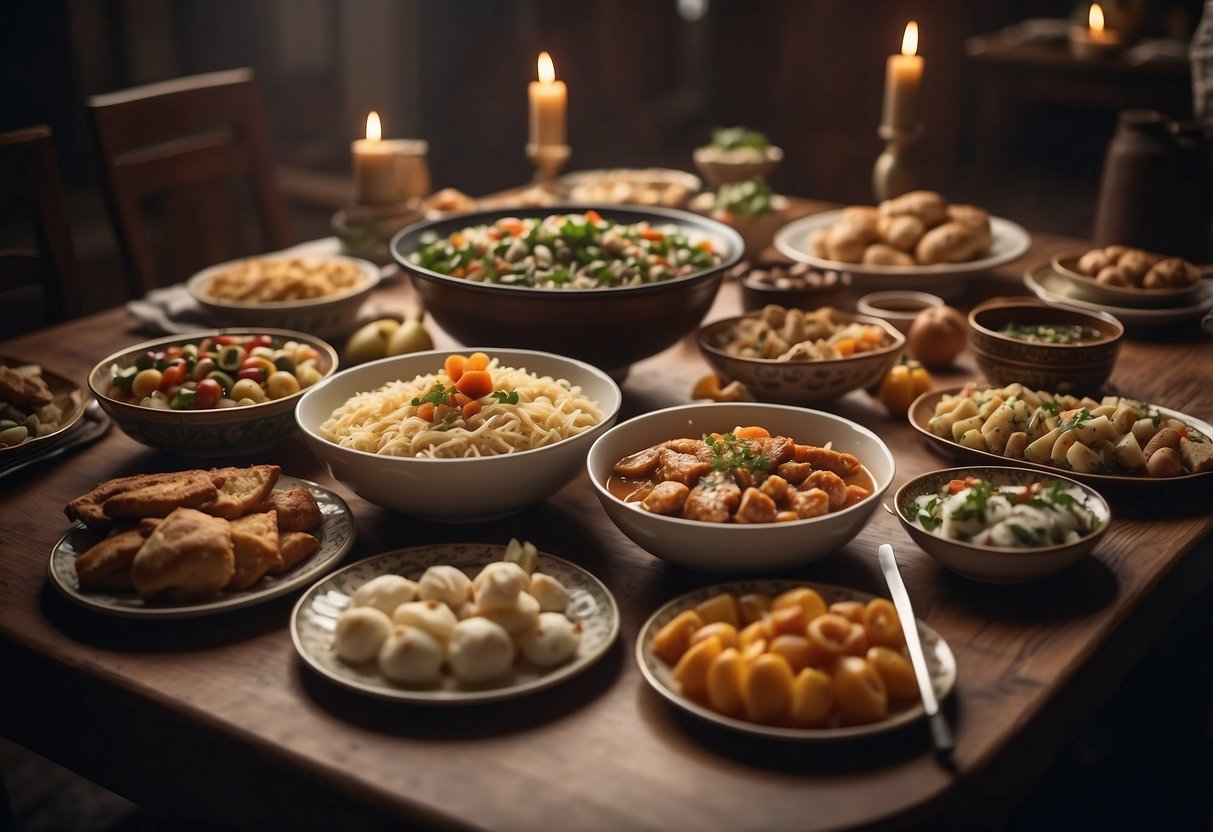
549, 160
894, 172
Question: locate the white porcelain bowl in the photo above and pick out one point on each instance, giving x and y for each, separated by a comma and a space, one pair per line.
455, 490
728, 547
331, 316
993, 564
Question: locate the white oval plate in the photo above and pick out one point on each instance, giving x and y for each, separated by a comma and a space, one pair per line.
315, 616
336, 534
940, 662
1010, 241
1053, 288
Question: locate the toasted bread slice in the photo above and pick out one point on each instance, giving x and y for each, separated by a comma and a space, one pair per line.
189, 555
294, 547
187, 490
297, 509
255, 545
107, 565
242, 490
87, 508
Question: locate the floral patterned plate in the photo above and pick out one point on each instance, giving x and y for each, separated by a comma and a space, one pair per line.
336, 535
940, 662
315, 617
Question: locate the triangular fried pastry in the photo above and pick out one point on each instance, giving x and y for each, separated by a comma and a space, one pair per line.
189, 555
242, 489
255, 545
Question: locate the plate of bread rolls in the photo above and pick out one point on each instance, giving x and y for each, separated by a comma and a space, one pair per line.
1125, 276
916, 234
182, 544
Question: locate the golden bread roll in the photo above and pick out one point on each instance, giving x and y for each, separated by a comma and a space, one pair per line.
883, 254
928, 206
951, 242
970, 215
1112, 276
1134, 264
817, 243
189, 555
1173, 272
845, 242
901, 232
1093, 262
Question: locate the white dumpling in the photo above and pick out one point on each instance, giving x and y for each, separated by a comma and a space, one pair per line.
479, 650
359, 633
552, 641
467, 610
549, 592
411, 656
385, 593
434, 617
446, 584
522, 617
498, 586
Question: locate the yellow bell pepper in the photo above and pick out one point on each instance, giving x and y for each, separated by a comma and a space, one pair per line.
905, 381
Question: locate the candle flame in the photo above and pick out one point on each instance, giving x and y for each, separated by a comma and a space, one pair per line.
374, 130
1095, 18
909, 41
547, 71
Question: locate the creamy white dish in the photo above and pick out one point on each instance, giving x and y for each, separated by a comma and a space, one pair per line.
1005, 516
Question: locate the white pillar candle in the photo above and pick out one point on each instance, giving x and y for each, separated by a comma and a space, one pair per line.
376, 181
548, 100
903, 78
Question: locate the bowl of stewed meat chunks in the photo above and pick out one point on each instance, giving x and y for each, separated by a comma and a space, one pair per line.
740, 487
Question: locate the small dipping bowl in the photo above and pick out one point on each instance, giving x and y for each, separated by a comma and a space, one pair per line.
898, 307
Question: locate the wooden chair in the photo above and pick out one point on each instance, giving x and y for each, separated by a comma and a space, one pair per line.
44, 278
179, 148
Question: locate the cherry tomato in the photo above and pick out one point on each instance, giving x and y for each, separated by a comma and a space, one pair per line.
173, 352
209, 393
226, 339
257, 341
173, 375
253, 373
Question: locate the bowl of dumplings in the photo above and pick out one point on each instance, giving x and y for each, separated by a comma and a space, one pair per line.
1124, 276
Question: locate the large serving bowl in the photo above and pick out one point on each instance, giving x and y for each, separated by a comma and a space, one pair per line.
1003, 359
329, 316
455, 490
992, 564
735, 548
801, 382
221, 432
610, 328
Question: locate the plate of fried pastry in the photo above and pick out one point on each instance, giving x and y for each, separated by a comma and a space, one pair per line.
197, 542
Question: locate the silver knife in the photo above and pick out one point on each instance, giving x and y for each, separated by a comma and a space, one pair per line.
941, 733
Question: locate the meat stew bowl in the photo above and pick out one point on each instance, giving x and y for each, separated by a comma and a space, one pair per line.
609, 327
759, 548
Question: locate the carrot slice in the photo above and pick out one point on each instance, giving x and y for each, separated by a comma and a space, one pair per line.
477, 361
425, 410
470, 409
475, 384
752, 432
454, 366
593, 216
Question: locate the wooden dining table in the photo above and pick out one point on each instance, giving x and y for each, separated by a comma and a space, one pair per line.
218, 719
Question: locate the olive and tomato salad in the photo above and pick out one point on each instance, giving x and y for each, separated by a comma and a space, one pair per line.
219, 371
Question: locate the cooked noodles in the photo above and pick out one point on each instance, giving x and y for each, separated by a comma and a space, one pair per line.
385, 421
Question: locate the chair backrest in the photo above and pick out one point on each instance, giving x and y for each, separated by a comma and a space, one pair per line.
184, 142
30, 186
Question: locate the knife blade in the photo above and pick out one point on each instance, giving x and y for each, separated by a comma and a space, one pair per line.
941, 732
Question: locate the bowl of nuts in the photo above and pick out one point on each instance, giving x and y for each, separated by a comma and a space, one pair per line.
320, 295
1124, 276
795, 286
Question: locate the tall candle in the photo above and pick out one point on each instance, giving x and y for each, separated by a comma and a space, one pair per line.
548, 100
903, 78
375, 178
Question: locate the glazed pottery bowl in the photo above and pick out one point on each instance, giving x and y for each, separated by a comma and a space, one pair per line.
801, 382
217, 432
608, 327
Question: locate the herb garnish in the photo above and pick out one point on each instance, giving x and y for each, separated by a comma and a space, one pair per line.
505, 398
730, 454
436, 395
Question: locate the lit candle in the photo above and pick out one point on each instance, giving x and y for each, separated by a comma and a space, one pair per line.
1095, 39
903, 77
375, 172
548, 99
